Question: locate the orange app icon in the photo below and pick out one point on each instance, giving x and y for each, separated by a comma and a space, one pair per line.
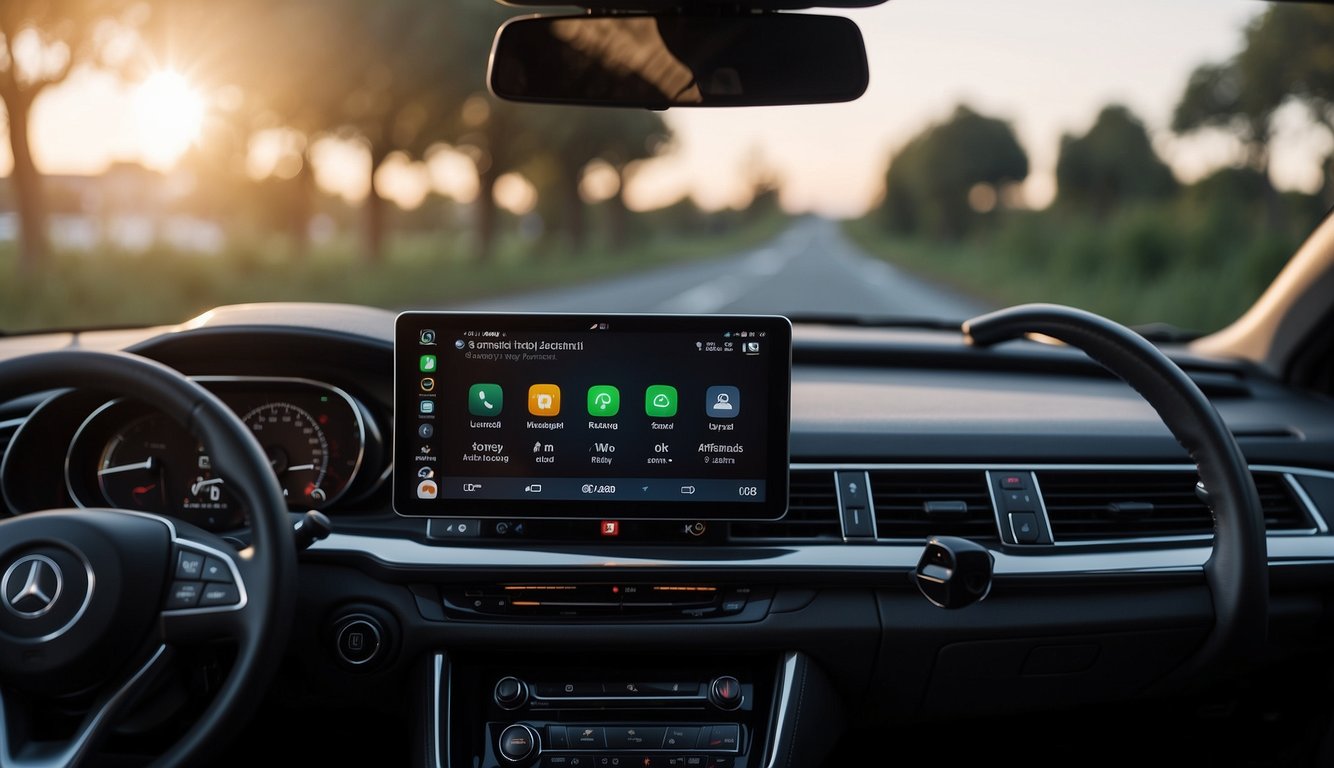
544, 400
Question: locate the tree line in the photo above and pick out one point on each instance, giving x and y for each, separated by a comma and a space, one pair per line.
954, 177
400, 77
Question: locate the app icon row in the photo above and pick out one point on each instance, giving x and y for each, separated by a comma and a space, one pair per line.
661, 401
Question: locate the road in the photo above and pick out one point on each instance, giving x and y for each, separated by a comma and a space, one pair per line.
810, 268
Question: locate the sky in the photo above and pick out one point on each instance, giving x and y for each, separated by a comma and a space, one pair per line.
1045, 65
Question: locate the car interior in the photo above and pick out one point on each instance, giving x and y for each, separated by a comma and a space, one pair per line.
340, 534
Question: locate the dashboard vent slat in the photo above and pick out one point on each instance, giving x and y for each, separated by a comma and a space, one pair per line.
812, 513
1081, 505
915, 504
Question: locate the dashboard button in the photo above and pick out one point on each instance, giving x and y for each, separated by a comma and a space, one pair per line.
184, 594
723, 738
556, 761
1025, 527
358, 641
721, 762
189, 565
219, 594
1013, 481
517, 742
635, 737
695, 761
556, 737
1020, 501
586, 736
558, 690
681, 737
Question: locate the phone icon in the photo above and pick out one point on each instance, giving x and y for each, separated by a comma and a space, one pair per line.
660, 401
427, 364
604, 401
544, 400
485, 399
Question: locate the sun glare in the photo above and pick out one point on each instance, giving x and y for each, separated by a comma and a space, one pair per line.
170, 114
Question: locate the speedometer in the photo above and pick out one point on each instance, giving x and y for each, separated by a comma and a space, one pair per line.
297, 451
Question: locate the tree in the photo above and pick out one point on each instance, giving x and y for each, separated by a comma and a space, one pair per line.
42, 42
1112, 163
931, 179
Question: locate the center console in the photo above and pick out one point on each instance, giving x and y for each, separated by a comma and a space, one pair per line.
535, 433
616, 712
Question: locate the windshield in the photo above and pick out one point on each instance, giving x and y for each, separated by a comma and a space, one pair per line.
1155, 162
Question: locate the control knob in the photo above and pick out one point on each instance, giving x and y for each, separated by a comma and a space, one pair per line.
518, 742
725, 692
510, 693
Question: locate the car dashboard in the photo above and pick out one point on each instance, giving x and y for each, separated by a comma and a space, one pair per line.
556, 642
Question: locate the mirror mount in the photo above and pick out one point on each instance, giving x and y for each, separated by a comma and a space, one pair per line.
707, 56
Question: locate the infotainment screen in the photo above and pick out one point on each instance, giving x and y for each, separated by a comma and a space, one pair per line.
591, 416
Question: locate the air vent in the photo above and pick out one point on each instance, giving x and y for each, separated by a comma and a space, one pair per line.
812, 513
958, 501
1093, 506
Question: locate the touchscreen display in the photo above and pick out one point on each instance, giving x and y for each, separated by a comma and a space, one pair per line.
591, 416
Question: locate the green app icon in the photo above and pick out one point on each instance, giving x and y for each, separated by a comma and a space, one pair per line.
604, 401
427, 364
660, 401
485, 399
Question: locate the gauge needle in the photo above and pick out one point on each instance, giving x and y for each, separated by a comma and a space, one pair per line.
145, 464
199, 485
300, 466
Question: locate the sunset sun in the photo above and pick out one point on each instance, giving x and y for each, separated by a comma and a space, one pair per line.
170, 113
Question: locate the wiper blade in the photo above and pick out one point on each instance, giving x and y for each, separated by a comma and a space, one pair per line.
876, 321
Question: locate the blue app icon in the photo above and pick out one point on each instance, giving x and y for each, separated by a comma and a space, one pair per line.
722, 402
427, 406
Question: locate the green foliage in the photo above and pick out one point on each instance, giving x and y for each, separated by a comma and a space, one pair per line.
929, 180
419, 270
1113, 163
1197, 261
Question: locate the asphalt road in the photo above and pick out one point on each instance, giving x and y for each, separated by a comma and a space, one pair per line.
810, 268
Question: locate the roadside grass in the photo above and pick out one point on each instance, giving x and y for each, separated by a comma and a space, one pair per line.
1141, 266
162, 286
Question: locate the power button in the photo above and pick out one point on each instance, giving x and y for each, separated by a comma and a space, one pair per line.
359, 639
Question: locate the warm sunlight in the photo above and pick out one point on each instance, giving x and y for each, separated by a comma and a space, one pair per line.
170, 113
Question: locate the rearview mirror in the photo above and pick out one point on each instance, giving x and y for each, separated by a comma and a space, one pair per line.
659, 61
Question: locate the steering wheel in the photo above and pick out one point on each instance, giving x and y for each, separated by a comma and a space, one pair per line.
1237, 570
96, 602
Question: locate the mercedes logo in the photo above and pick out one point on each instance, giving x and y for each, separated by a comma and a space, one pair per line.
32, 585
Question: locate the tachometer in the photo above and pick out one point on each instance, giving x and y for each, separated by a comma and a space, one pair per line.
297, 451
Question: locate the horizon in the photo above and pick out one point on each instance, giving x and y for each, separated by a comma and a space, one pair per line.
1036, 69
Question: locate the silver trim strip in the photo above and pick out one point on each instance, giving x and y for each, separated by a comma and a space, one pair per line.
815, 558
1305, 498
435, 713
788, 671
13, 423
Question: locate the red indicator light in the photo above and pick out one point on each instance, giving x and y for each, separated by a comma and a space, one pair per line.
611, 528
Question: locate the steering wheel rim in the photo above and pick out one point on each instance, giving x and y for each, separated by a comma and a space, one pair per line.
1237, 571
267, 569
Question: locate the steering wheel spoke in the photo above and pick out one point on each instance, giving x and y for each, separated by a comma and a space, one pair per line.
83, 746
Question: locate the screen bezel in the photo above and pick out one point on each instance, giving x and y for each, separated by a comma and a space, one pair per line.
778, 332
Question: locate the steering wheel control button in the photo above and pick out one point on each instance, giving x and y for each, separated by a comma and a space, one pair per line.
184, 594
219, 594
510, 693
189, 565
358, 640
725, 692
216, 570
1024, 526
518, 742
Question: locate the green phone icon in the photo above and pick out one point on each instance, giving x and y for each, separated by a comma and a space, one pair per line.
604, 401
427, 364
485, 399
660, 401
